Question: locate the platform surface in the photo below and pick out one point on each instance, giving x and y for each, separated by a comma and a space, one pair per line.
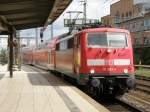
35, 90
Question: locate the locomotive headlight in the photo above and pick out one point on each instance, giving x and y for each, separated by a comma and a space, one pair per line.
125, 70
108, 50
92, 71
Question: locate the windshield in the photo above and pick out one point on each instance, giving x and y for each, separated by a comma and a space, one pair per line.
109, 39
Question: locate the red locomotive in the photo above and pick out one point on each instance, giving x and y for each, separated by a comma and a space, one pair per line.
100, 58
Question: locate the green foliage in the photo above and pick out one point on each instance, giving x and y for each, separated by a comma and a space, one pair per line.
3, 55
143, 72
143, 55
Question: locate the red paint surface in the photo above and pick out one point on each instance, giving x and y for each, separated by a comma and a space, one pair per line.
68, 59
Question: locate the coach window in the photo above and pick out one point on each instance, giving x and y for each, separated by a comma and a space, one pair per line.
70, 43
63, 45
57, 47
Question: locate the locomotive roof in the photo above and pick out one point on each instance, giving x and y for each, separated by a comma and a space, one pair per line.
105, 30
66, 36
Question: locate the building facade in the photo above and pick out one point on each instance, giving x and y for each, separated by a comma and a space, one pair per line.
121, 11
132, 15
107, 20
139, 28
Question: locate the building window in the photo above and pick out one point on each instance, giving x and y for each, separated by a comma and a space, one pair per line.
117, 19
130, 14
126, 14
146, 22
146, 41
122, 16
134, 25
133, 13
142, 23
126, 25
136, 41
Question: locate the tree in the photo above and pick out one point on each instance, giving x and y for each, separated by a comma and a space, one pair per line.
3, 56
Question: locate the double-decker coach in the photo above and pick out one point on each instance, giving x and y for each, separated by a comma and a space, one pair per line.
99, 58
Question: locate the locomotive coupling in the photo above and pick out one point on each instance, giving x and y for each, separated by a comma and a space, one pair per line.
95, 82
131, 82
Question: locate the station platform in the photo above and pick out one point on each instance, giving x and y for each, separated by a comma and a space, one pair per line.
36, 90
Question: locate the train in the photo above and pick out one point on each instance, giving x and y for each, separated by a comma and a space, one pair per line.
99, 59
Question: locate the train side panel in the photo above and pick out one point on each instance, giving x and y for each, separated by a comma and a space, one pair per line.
64, 61
41, 58
68, 56
28, 57
51, 60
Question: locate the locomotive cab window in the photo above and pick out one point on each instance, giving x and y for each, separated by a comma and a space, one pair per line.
117, 40
109, 39
97, 40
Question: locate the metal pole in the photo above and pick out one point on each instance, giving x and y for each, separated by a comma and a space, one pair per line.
72, 21
11, 57
84, 11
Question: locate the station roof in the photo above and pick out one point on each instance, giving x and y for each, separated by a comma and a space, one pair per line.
24, 14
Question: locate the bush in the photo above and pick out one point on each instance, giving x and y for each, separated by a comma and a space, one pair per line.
142, 54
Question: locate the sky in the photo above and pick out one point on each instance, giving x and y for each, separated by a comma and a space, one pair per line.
95, 10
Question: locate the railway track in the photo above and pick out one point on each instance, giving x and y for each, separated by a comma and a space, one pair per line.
114, 104
143, 84
117, 105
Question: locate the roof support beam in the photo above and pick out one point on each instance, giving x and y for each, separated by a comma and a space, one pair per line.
22, 5
24, 15
28, 10
3, 24
29, 25
27, 21
11, 56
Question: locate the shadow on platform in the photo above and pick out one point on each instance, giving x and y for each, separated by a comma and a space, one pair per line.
39, 77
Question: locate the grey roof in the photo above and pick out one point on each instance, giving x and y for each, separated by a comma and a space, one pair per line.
24, 14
